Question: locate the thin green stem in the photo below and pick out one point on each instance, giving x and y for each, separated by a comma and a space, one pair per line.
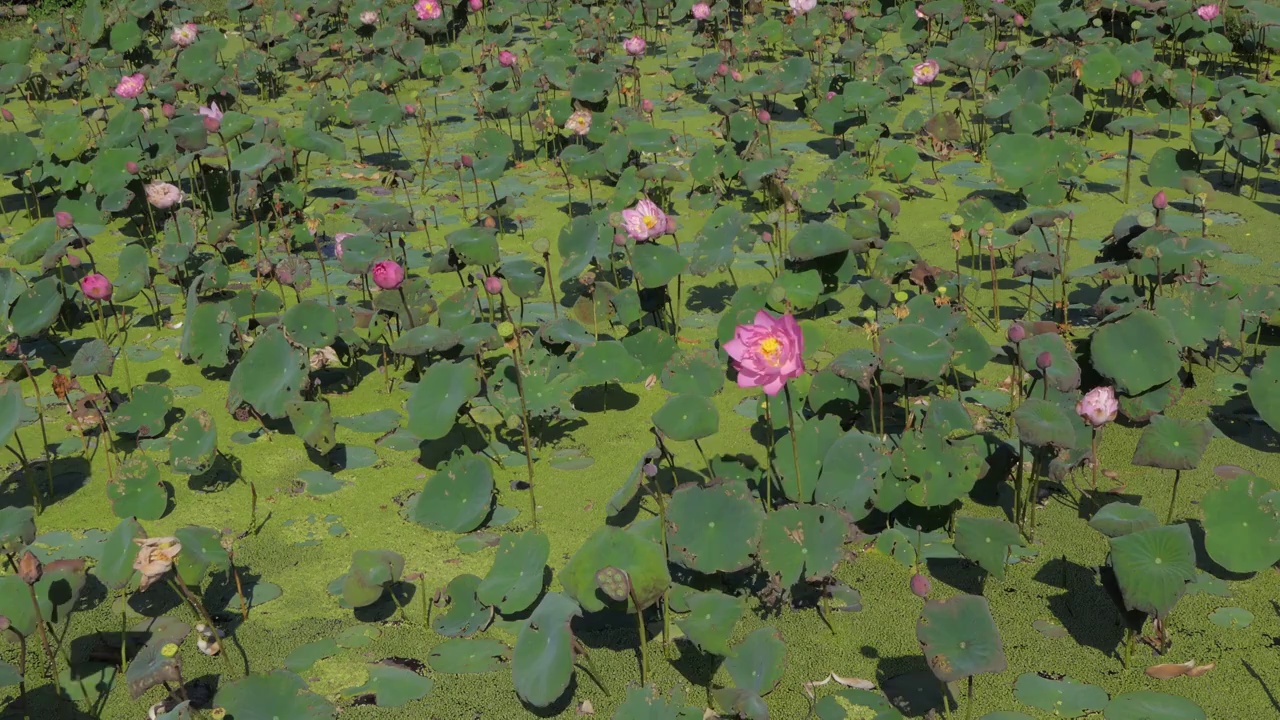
795, 447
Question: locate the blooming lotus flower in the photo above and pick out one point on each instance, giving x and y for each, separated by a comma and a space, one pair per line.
427, 9
184, 34
507, 59
64, 220
579, 123
163, 195
155, 558
645, 221
388, 274
1099, 406
700, 11
210, 111
130, 86
767, 352
1208, 12
634, 45
800, 7
95, 286
369, 17
925, 72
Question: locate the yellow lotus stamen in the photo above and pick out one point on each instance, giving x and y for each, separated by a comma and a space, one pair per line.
650, 221
770, 349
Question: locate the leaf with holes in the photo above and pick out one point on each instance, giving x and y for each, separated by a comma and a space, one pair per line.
137, 491
986, 541
194, 444
466, 615
802, 541
145, 413
457, 498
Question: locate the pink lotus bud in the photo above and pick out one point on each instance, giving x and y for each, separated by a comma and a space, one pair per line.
722, 69
1018, 20
1135, 78
1160, 201
468, 161
297, 17
921, 585
212, 124
766, 236
410, 109
388, 274
619, 239
73, 260
507, 59
850, 13
64, 219
131, 167
1017, 334
6, 114
493, 284
763, 116
649, 469
646, 105
1044, 360
737, 76
475, 5
831, 94
1001, 46
95, 286
167, 110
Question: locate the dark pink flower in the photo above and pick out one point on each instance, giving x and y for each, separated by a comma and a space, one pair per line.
767, 352
95, 286
388, 274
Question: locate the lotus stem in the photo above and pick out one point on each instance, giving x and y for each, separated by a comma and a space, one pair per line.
1095, 459
711, 475
795, 447
194, 601
408, 314
1173, 499
52, 670
1035, 493
524, 425
644, 650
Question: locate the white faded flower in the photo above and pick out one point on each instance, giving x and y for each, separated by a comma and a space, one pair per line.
163, 195
155, 558
579, 123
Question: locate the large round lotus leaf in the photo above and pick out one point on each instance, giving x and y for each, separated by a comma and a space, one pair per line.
711, 620
311, 324
542, 663
515, 580
202, 553
851, 474
815, 239
210, 326
609, 546
268, 376
687, 417
757, 663
466, 615
137, 491
1169, 165
1042, 423
1147, 705
1020, 159
814, 437
986, 541
440, 393
693, 371
960, 638
115, 570
392, 685
1120, 518
739, 703
145, 413
475, 245
37, 308
856, 704
93, 358
714, 528
194, 443
1141, 408
1173, 444
936, 471
468, 656
657, 265
1153, 567
914, 351
1241, 531
1064, 374
281, 694
1264, 390
371, 572
87, 682
312, 421
17, 526
424, 339
457, 498
802, 541
15, 603
17, 152
199, 64
1062, 698
1138, 352
604, 362
646, 703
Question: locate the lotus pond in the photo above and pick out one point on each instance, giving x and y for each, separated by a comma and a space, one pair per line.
642, 360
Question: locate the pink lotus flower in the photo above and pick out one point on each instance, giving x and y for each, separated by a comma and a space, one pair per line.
767, 352
925, 72
369, 17
64, 220
1018, 20
646, 105
427, 9
95, 286
1099, 406
184, 35
210, 111
493, 285
507, 59
1207, 13
475, 5
645, 221
155, 558
579, 123
920, 13
700, 11
800, 7
163, 195
388, 274
634, 45
130, 86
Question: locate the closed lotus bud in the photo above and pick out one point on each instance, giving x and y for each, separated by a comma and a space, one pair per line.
722, 69
850, 13
468, 161
1018, 20
212, 124
766, 236
6, 114
410, 109
73, 260
493, 284
649, 469
29, 568
131, 167
831, 94
64, 219
619, 239
1017, 334
646, 105
1160, 201
167, 110
763, 116
737, 76
1044, 360
1135, 78
921, 585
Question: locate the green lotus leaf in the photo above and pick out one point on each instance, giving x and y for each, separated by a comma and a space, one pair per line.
36, 309
152, 666
687, 417
933, 471
209, 336
202, 553
1241, 529
657, 265
542, 663
93, 358
851, 473
1148, 705
468, 656
1042, 423
280, 694
1120, 518
814, 438
712, 617
515, 580
457, 498
915, 352
1173, 444
434, 402
1063, 698
17, 524
693, 371
145, 413
392, 686
1138, 352
714, 528
802, 541
370, 574
1153, 567
194, 444
1064, 373
311, 324
857, 704
959, 638
466, 615
312, 421
640, 559
137, 491
1264, 390
605, 362
647, 703
757, 663
986, 541
268, 376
